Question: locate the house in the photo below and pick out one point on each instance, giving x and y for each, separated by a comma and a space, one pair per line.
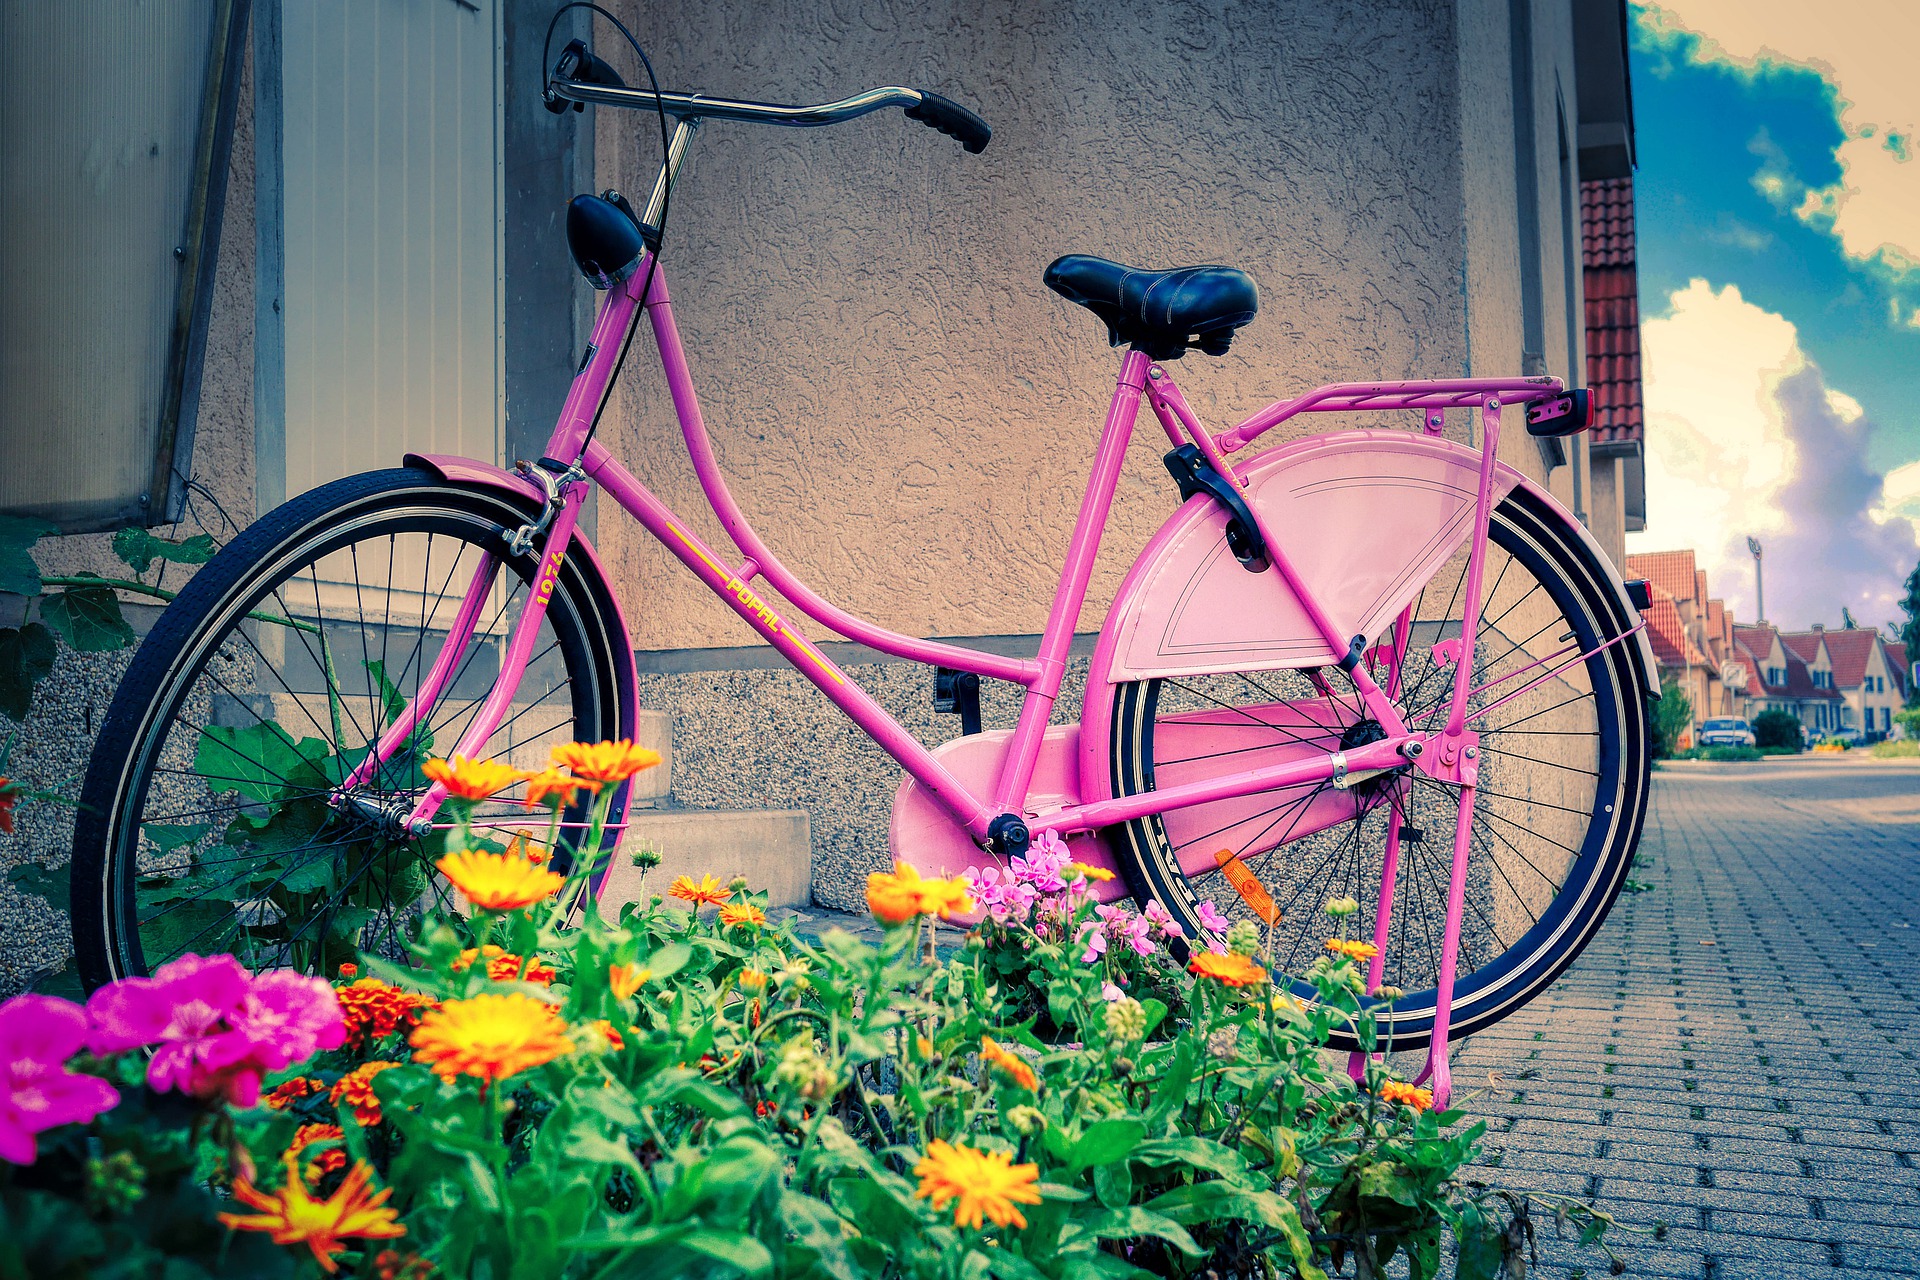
1856, 663
1781, 679
901, 407
1691, 645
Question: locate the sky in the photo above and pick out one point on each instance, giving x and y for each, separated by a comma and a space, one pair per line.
1778, 204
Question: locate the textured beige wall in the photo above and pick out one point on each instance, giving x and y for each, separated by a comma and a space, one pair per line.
906, 413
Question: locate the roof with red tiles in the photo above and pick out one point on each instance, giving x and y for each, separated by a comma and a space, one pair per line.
1671, 571
1804, 645
1613, 310
1668, 634
1849, 652
1755, 642
1717, 622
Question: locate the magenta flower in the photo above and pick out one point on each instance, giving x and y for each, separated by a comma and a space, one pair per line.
216, 1028
1095, 940
1162, 919
37, 1092
1210, 918
1109, 992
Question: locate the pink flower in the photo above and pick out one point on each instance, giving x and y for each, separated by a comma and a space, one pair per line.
37, 1092
1109, 992
1095, 939
1162, 919
1211, 919
217, 1028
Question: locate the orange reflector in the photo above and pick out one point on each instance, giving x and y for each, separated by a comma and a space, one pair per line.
1248, 886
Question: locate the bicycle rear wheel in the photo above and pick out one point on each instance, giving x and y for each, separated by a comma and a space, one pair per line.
1562, 786
205, 823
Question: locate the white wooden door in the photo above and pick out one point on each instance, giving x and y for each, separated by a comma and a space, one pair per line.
391, 194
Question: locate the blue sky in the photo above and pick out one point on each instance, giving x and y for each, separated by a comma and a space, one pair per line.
1779, 264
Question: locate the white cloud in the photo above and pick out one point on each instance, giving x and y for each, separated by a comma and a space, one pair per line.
1744, 437
1865, 52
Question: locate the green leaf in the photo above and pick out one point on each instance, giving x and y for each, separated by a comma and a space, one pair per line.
1105, 1141
259, 761
1195, 1153
88, 618
26, 658
19, 575
1388, 1182
1170, 1093
1123, 1224
37, 881
139, 548
1113, 1183
735, 1248
167, 836
392, 704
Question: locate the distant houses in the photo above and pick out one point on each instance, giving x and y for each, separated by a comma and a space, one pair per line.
1851, 678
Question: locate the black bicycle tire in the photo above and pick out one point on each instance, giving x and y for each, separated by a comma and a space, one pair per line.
138, 703
1477, 1005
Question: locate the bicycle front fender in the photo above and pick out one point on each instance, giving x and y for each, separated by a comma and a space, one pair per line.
1366, 517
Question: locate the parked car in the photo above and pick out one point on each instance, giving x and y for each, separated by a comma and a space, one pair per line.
1726, 731
1845, 734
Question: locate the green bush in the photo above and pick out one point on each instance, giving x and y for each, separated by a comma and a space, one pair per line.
1672, 716
1901, 749
1727, 753
1777, 729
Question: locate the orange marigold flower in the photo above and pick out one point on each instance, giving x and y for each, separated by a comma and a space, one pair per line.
331, 1160
625, 979
349, 970
1233, 969
707, 893
1012, 1064
355, 1090
550, 786
605, 1030
490, 1037
897, 896
282, 1096
742, 913
391, 1264
373, 1010
471, 779
605, 761
1089, 872
504, 966
979, 1184
1352, 950
498, 882
293, 1216
1396, 1091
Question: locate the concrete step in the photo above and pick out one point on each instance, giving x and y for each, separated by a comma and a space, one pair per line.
772, 848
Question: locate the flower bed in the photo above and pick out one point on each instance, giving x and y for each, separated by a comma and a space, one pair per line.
691, 1091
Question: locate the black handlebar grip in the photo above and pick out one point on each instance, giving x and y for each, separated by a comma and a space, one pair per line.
952, 119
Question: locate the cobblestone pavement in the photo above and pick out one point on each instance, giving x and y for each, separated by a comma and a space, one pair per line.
1735, 1055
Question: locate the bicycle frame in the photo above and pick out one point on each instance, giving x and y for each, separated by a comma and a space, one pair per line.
1446, 753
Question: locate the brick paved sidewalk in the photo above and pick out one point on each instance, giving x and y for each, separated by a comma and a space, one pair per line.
1736, 1052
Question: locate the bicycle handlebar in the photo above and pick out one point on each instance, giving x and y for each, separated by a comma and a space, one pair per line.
928, 108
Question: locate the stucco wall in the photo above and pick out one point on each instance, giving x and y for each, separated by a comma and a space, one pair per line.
905, 411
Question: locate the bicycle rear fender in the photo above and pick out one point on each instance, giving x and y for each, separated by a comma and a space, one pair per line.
472, 471
1366, 517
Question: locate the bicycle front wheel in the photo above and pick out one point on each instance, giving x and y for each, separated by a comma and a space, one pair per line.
1563, 780
210, 821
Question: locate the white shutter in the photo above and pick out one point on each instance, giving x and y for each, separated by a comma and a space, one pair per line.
391, 216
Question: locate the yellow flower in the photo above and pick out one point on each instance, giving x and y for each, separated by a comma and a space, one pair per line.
504, 966
625, 979
898, 896
471, 779
742, 913
606, 1032
979, 1184
1352, 950
605, 761
707, 893
1395, 1091
498, 882
551, 784
752, 980
1088, 872
489, 1037
1234, 969
355, 1089
1013, 1064
293, 1216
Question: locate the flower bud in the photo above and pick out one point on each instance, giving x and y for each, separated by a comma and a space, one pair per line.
1027, 1121
1244, 938
1338, 907
753, 981
737, 884
1126, 1020
1224, 1043
646, 857
1123, 1067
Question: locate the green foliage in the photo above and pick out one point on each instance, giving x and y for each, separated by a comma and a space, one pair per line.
26, 658
19, 575
139, 548
1721, 753
88, 618
1672, 716
1898, 749
1910, 630
1776, 729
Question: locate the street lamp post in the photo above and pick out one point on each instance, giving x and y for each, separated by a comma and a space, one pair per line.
1759, 586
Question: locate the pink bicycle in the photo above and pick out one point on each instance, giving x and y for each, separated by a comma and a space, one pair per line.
1376, 664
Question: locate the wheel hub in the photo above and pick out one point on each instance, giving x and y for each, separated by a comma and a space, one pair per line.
1362, 733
